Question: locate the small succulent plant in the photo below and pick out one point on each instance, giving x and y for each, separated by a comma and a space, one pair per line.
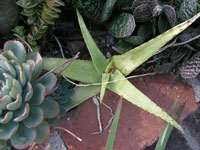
24, 110
40, 14
9, 15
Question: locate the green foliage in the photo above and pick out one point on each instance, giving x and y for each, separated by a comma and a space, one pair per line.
24, 109
62, 94
117, 67
9, 15
112, 133
40, 14
162, 142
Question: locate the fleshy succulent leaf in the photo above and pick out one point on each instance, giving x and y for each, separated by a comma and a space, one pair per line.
8, 130
7, 68
15, 104
122, 25
39, 63
34, 118
23, 137
20, 75
43, 132
4, 101
50, 108
3, 145
49, 82
98, 58
27, 70
38, 94
22, 113
28, 92
17, 48
9, 55
6, 118
16, 89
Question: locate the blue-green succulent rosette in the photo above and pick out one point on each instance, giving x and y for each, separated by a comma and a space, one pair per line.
23, 107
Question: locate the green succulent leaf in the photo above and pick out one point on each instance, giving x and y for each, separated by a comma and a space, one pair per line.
15, 104
133, 95
145, 31
50, 108
49, 82
107, 10
170, 14
79, 67
122, 46
163, 24
6, 118
20, 75
22, 113
134, 40
35, 117
4, 101
38, 94
8, 130
129, 61
3, 145
9, 15
121, 25
105, 79
98, 58
23, 137
81, 94
43, 132
142, 13
17, 48
38, 63
187, 9
28, 92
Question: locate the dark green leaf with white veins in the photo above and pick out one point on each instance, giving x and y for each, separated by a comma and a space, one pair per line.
187, 9
163, 24
142, 13
107, 10
121, 25
170, 14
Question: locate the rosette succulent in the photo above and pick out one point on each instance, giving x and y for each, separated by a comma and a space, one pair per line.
23, 106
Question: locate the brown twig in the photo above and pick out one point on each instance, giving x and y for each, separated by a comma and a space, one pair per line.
69, 132
66, 63
60, 46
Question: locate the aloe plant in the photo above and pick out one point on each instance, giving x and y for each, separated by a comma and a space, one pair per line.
23, 106
114, 70
9, 16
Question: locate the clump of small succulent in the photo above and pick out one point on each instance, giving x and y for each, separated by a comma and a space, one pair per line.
24, 110
40, 14
9, 15
62, 94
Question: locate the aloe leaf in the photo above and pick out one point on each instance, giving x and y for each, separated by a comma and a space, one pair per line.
105, 78
111, 137
80, 70
127, 62
162, 142
125, 89
98, 58
81, 94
